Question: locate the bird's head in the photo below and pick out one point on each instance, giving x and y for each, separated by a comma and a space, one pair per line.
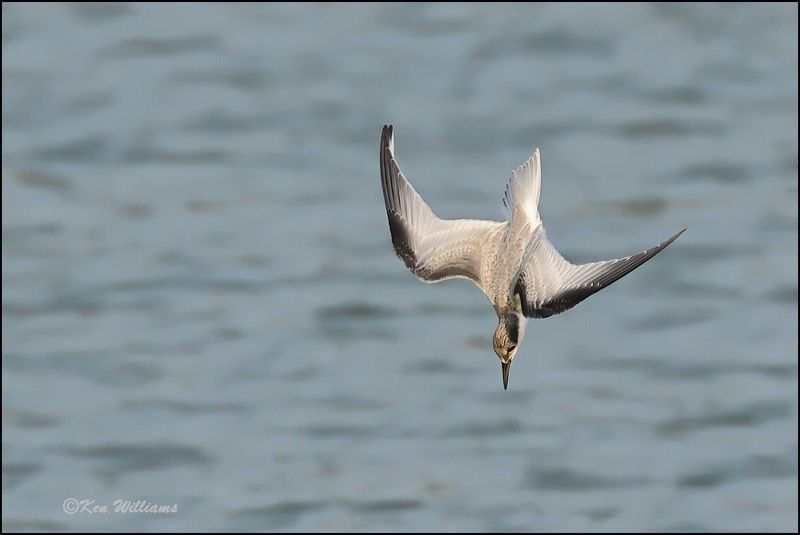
507, 337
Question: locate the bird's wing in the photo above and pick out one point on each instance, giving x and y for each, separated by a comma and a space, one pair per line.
548, 284
521, 199
433, 249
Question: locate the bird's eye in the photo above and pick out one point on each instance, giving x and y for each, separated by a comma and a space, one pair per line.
511, 348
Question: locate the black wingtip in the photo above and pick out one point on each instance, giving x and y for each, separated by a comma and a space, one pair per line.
386, 136
673, 238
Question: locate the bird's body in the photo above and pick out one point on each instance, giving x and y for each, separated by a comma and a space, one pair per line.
512, 262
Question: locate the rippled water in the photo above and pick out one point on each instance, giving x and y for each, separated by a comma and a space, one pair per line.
201, 305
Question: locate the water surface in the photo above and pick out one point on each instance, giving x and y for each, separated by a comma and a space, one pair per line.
201, 305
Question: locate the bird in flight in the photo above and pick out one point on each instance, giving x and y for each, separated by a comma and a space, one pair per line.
512, 262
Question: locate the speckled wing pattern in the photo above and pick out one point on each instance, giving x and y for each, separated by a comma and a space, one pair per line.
433, 249
548, 284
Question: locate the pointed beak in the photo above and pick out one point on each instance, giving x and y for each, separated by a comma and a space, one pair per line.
506, 368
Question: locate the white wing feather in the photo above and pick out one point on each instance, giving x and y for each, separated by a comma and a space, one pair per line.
433, 249
521, 198
548, 284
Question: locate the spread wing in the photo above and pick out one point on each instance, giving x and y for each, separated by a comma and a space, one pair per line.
433, 249
548, 284
521, 199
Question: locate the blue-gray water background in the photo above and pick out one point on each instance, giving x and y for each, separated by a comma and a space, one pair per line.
201, 305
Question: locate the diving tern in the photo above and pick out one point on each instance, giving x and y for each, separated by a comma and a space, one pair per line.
512, 262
